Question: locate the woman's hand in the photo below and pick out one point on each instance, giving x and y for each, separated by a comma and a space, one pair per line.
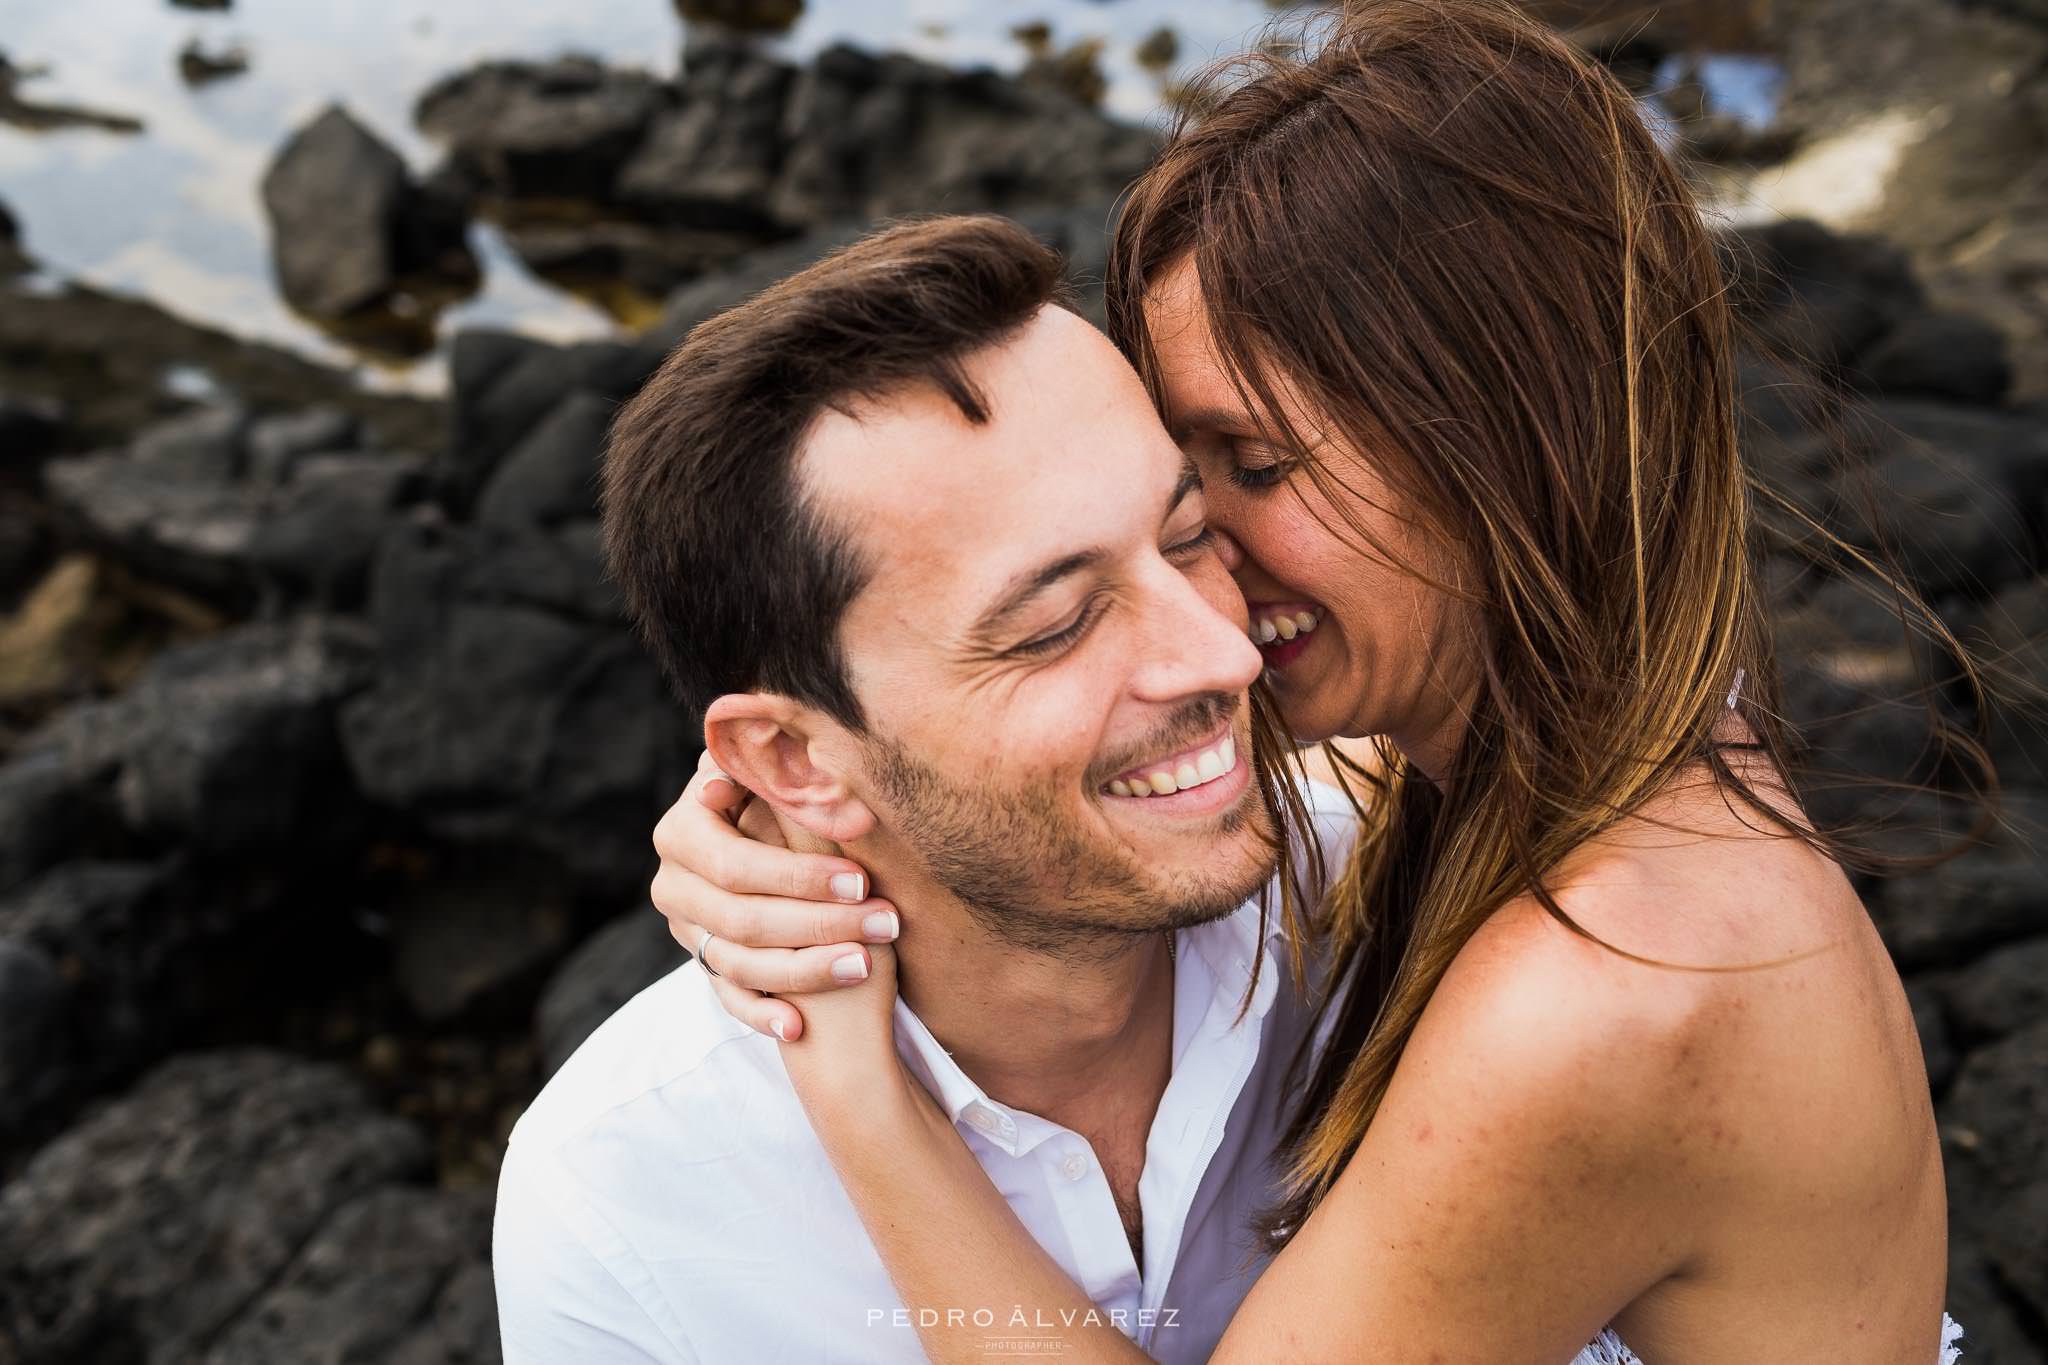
846, 1069
781, 920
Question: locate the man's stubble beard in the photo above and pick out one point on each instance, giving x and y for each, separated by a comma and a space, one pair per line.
1030, 879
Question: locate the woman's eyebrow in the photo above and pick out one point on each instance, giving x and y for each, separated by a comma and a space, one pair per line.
1186, 424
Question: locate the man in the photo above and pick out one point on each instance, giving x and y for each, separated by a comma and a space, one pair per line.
907, 531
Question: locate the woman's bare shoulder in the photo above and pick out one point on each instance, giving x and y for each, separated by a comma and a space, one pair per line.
1705, 973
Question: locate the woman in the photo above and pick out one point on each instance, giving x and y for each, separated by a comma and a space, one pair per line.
1618, 1054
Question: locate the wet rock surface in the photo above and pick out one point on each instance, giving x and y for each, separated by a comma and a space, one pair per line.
614, 175
152, 1228
349, 225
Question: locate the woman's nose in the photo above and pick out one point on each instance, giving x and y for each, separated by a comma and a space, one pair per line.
1228, 550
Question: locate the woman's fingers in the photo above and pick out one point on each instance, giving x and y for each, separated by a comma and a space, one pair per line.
762, 1013
682, 897
704, 842
712, 789
788, 971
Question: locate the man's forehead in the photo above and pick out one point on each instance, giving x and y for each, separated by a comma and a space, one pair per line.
950, 505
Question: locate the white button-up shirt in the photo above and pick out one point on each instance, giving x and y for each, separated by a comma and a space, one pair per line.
665, 1199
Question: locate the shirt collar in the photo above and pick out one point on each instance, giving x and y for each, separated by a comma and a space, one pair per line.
1227, 948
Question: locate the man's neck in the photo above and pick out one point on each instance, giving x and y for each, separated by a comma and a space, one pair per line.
1080, 1041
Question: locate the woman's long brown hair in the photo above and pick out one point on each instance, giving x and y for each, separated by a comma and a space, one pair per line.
1451, 235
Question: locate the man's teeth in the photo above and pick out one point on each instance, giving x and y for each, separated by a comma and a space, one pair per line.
1283, 625
1206, 766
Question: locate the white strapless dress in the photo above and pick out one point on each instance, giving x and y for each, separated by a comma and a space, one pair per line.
1607, 1348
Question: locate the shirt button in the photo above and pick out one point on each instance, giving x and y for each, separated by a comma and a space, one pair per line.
1074, 1166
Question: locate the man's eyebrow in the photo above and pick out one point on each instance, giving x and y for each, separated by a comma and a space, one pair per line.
1019, 591
1017, 594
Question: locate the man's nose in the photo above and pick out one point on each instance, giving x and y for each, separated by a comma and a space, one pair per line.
1190, 645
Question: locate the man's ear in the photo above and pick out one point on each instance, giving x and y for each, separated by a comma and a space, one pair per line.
790, 756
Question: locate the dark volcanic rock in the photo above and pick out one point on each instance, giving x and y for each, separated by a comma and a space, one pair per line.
730, 285
84, 956
551, 475
394, 1276
1859, 688
1815, 298
1954, 490
615, 964
207, 443
1942, 355
2011, 641
142, 1233
875, 136
1995, 1135
493, 719
505, 386
316, 536
712, 161
2002, 993
557, 130
233, 743
478, 943
348, 226
747, 150
177, 508
276, 444
1977, 901
29, 427
51, 808
191, 531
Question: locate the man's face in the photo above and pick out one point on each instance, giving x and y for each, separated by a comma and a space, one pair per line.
1046, 627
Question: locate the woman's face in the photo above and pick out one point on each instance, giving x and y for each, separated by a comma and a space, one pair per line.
1355, 644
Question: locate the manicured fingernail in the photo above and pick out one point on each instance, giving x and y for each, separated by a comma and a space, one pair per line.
849, 886
880, 924
852, 967
775, 1027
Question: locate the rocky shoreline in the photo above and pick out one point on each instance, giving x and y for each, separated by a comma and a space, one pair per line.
327, 764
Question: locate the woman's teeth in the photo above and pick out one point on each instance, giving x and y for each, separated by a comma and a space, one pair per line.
1270, 626
1206, 766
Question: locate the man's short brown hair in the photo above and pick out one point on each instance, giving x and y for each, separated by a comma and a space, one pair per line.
732, 577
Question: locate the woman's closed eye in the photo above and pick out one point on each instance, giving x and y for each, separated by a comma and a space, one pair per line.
1256, 466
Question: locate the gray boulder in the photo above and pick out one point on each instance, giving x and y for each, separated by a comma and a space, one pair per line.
499, 720
277, 443
712, 161
1946, 488
89, 954
1994, 1127
1950, 356
232, 739
2001, 993
191, 530
348, 226
399, 1275
557, 130
506, 386
207, 443
551, 475
143, 1233
615, 964
1953, 911
318, 532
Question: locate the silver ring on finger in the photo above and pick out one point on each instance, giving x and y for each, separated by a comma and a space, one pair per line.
703, 959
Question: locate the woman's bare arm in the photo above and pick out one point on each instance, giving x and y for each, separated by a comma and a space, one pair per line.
1513, 1193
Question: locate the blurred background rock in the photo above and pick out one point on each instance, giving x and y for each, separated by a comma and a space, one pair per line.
327, 767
